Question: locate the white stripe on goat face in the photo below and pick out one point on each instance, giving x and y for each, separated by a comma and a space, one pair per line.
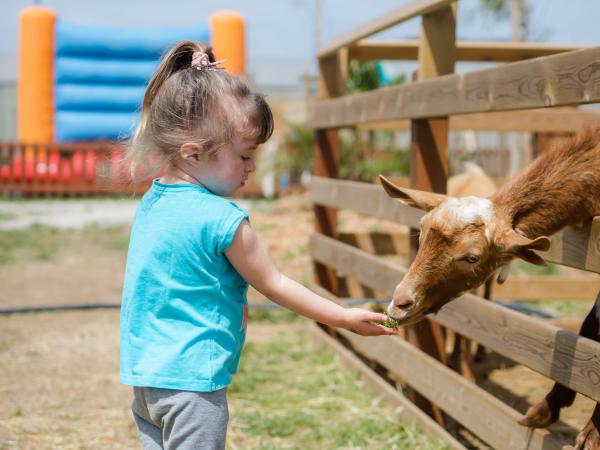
460, 212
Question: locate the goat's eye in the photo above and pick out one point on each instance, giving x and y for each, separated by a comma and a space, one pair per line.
471, 259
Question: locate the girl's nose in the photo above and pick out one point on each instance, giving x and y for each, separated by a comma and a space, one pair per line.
251, 167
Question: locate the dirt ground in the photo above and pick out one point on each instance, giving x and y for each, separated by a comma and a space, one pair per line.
59, 385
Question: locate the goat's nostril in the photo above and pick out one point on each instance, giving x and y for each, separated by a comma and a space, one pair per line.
404, 305
403, 302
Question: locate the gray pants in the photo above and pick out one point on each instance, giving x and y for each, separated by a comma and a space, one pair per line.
169, 419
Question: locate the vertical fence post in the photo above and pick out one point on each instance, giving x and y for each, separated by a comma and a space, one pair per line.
332, 76
429, 160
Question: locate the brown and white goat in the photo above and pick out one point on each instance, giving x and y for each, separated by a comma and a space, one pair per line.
463, 241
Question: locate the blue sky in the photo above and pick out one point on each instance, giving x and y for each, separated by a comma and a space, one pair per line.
281, 33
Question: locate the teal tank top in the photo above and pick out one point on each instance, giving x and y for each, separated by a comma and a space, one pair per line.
184, 307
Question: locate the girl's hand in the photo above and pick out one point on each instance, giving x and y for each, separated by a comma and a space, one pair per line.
359, 321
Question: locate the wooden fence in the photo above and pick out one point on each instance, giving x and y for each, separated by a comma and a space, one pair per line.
556, 76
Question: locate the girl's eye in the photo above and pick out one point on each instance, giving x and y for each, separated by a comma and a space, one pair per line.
246, 158
471, 259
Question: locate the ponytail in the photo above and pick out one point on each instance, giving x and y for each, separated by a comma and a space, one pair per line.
175, 59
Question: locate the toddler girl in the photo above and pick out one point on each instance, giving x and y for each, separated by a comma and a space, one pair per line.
192, 253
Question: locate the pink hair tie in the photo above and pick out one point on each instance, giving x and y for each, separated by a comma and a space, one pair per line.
200, 60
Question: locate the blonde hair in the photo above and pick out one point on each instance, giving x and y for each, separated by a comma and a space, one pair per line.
183, 104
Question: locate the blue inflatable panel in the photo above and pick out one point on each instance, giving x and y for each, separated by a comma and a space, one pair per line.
91, 126
113, 42
103, 70
101, 76
96, 97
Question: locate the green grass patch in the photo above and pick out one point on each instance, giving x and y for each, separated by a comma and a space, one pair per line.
265, 227
295, 252
36, 243
291, 393
6, 216
531, 269
111, 238
43, 243
564, 308
272, 315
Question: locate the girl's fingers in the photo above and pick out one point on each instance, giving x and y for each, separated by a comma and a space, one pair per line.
375, 317
376, 330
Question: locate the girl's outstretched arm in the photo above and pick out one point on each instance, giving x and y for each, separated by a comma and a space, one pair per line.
253, 263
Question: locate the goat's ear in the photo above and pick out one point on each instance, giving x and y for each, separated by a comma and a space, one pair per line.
412, 197
522, 247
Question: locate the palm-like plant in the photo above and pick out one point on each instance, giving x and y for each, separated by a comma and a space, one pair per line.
297, 155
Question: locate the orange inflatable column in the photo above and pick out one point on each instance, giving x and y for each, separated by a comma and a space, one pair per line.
228, 40
35, 85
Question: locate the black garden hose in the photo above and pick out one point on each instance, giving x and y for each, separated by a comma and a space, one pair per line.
347, 301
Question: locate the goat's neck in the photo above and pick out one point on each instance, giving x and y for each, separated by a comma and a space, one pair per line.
560, 188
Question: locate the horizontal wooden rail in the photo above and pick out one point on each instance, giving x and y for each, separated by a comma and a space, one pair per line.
559, 354
377, 243
408, 411
559, 80
486, 416
364, 198
551, 120
403, 13
577, 247
465, 50
547, 288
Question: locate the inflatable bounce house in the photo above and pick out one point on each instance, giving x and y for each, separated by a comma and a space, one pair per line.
80, 84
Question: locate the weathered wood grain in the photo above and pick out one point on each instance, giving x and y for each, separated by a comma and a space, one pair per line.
559, 80
371, 49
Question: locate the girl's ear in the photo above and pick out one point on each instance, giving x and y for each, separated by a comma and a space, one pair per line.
190, 150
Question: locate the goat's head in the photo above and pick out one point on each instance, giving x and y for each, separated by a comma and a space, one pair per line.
462, 242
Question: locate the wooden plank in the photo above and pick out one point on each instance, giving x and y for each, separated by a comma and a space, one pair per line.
437, 44
403, 13
555, 120
407, 410
332, 73
482, 413
559, 80
429, 154
577, 247
539, 288
364, 198
378, 243
368, 269
370, 49
485, 415
559, 354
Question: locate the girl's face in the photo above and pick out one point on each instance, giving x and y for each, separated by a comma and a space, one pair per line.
228, 170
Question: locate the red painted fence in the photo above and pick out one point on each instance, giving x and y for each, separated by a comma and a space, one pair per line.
90, 168
65, 169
